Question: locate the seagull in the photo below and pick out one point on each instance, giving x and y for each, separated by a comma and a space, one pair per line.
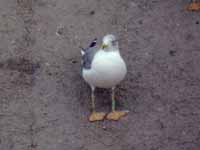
103, 68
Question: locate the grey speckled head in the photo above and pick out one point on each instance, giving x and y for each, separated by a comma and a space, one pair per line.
110, 43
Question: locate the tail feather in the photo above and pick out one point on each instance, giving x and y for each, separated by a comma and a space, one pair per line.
82, 52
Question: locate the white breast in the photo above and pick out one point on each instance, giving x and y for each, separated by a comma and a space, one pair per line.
108, 69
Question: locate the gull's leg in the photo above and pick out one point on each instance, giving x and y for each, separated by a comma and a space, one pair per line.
95, 116
93, 98
115, 115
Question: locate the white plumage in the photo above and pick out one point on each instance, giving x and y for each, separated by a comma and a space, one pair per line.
107, 70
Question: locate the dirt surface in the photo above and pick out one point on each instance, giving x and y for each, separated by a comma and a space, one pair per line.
44, 102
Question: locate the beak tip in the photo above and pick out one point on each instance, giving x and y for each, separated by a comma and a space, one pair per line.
104, 46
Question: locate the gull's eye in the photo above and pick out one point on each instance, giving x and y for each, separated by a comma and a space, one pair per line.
114, 42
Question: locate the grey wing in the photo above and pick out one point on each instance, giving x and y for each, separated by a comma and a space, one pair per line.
88, 56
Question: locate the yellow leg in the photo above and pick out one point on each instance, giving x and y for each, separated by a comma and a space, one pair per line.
115, 115
95, 116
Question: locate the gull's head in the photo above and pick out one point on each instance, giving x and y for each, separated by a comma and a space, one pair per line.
110, 43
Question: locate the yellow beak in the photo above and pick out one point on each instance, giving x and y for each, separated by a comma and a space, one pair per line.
104, 46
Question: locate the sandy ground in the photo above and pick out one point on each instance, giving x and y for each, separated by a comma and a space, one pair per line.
44, 102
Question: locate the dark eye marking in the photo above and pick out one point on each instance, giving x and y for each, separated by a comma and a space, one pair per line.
114, 42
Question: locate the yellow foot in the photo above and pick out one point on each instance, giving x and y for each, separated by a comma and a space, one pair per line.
97, 116
194, 6
116, 115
